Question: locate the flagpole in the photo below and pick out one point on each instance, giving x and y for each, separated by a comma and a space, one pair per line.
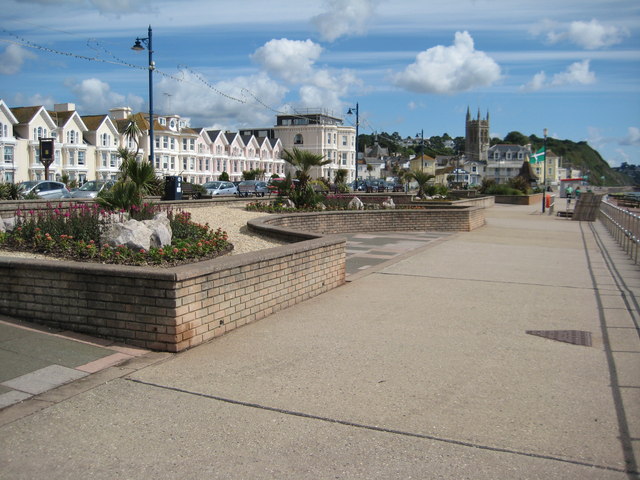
544, 168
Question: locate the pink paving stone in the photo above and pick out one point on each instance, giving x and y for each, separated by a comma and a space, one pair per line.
104, 362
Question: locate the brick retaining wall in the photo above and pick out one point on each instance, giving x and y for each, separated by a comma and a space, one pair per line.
173, 309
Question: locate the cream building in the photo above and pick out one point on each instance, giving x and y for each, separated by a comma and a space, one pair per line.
86, 147
323, 134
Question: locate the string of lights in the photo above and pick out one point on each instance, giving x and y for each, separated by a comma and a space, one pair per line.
180, 77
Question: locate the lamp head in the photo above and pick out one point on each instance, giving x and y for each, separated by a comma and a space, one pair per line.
137, 46
350, 112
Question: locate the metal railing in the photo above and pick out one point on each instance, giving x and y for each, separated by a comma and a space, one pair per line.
623, 225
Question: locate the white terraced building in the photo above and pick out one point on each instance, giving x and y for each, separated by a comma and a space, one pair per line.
86, 147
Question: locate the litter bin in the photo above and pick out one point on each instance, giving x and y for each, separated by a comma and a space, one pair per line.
173, 188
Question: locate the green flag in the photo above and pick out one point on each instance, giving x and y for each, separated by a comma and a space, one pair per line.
538, 156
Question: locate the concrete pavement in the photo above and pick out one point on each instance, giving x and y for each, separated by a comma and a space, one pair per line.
418, 368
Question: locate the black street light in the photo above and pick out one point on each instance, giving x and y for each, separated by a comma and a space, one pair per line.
138, 46
357, 112
544, 168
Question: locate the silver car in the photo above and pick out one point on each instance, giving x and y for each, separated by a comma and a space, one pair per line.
220, 188
45, 189
92, 189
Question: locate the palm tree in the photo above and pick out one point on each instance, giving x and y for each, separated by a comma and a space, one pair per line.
422, 178
303, 161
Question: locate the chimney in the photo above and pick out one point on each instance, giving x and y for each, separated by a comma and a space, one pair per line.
120, 113
64, 107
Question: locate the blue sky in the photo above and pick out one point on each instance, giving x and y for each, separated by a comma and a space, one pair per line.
570, 66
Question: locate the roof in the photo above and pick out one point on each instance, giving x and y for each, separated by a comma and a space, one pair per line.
93, 121
25, 114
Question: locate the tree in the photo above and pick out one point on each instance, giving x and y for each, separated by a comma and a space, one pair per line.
517, 138
224, 177
303, 161
421, 178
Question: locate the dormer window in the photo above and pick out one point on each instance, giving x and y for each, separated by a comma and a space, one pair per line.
163, 121
172, 124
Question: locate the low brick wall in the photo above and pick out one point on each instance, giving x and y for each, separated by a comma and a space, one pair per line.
460, 219
173, 309
519, 199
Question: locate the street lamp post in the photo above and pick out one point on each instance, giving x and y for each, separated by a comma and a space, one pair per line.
139, 47
357, 112
421, 148
544, 168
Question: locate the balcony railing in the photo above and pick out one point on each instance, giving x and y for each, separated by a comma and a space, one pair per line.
623, 225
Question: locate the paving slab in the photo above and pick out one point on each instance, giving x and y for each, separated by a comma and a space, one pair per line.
421, 367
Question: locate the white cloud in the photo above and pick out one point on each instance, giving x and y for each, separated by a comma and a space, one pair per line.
577, 73
12, 58
452, 69
294, 62
94, 95
37, 99
537, 82
291, 60
589, 35
344, 17
238, 102
633, 137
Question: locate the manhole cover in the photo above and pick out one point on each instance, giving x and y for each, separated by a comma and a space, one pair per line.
576, 337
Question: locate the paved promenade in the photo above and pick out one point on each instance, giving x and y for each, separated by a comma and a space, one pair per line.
421, 367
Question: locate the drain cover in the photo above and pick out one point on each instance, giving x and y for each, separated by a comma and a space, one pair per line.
576, 337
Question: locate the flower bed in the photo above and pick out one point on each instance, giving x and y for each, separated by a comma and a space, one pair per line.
73, 232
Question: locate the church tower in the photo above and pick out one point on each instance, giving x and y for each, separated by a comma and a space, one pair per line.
476, 138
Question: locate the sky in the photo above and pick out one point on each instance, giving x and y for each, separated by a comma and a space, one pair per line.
412, 67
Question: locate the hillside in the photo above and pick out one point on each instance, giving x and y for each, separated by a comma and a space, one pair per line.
581, 156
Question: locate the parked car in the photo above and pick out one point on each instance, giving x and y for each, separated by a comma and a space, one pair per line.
92, 188
45, 189
220, 188
253, 187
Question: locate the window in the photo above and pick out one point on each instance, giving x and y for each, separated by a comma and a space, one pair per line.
163, 121
105, 139
8, 154
165, 142
297, 140
173, 143
184, 143
172, 163
328, 138
344, 158
344, 140
113, 160
192, 144
184, 164
72, 157
104, 159
165, 162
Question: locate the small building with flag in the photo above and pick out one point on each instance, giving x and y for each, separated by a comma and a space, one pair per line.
548, 171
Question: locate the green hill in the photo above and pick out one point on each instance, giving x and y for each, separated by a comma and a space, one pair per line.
581, 156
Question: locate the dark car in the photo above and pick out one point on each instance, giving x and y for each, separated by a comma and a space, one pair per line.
253, 187
45, 189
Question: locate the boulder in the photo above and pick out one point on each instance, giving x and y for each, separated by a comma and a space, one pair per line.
132, 234
8, 224
356, 204
161, 228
